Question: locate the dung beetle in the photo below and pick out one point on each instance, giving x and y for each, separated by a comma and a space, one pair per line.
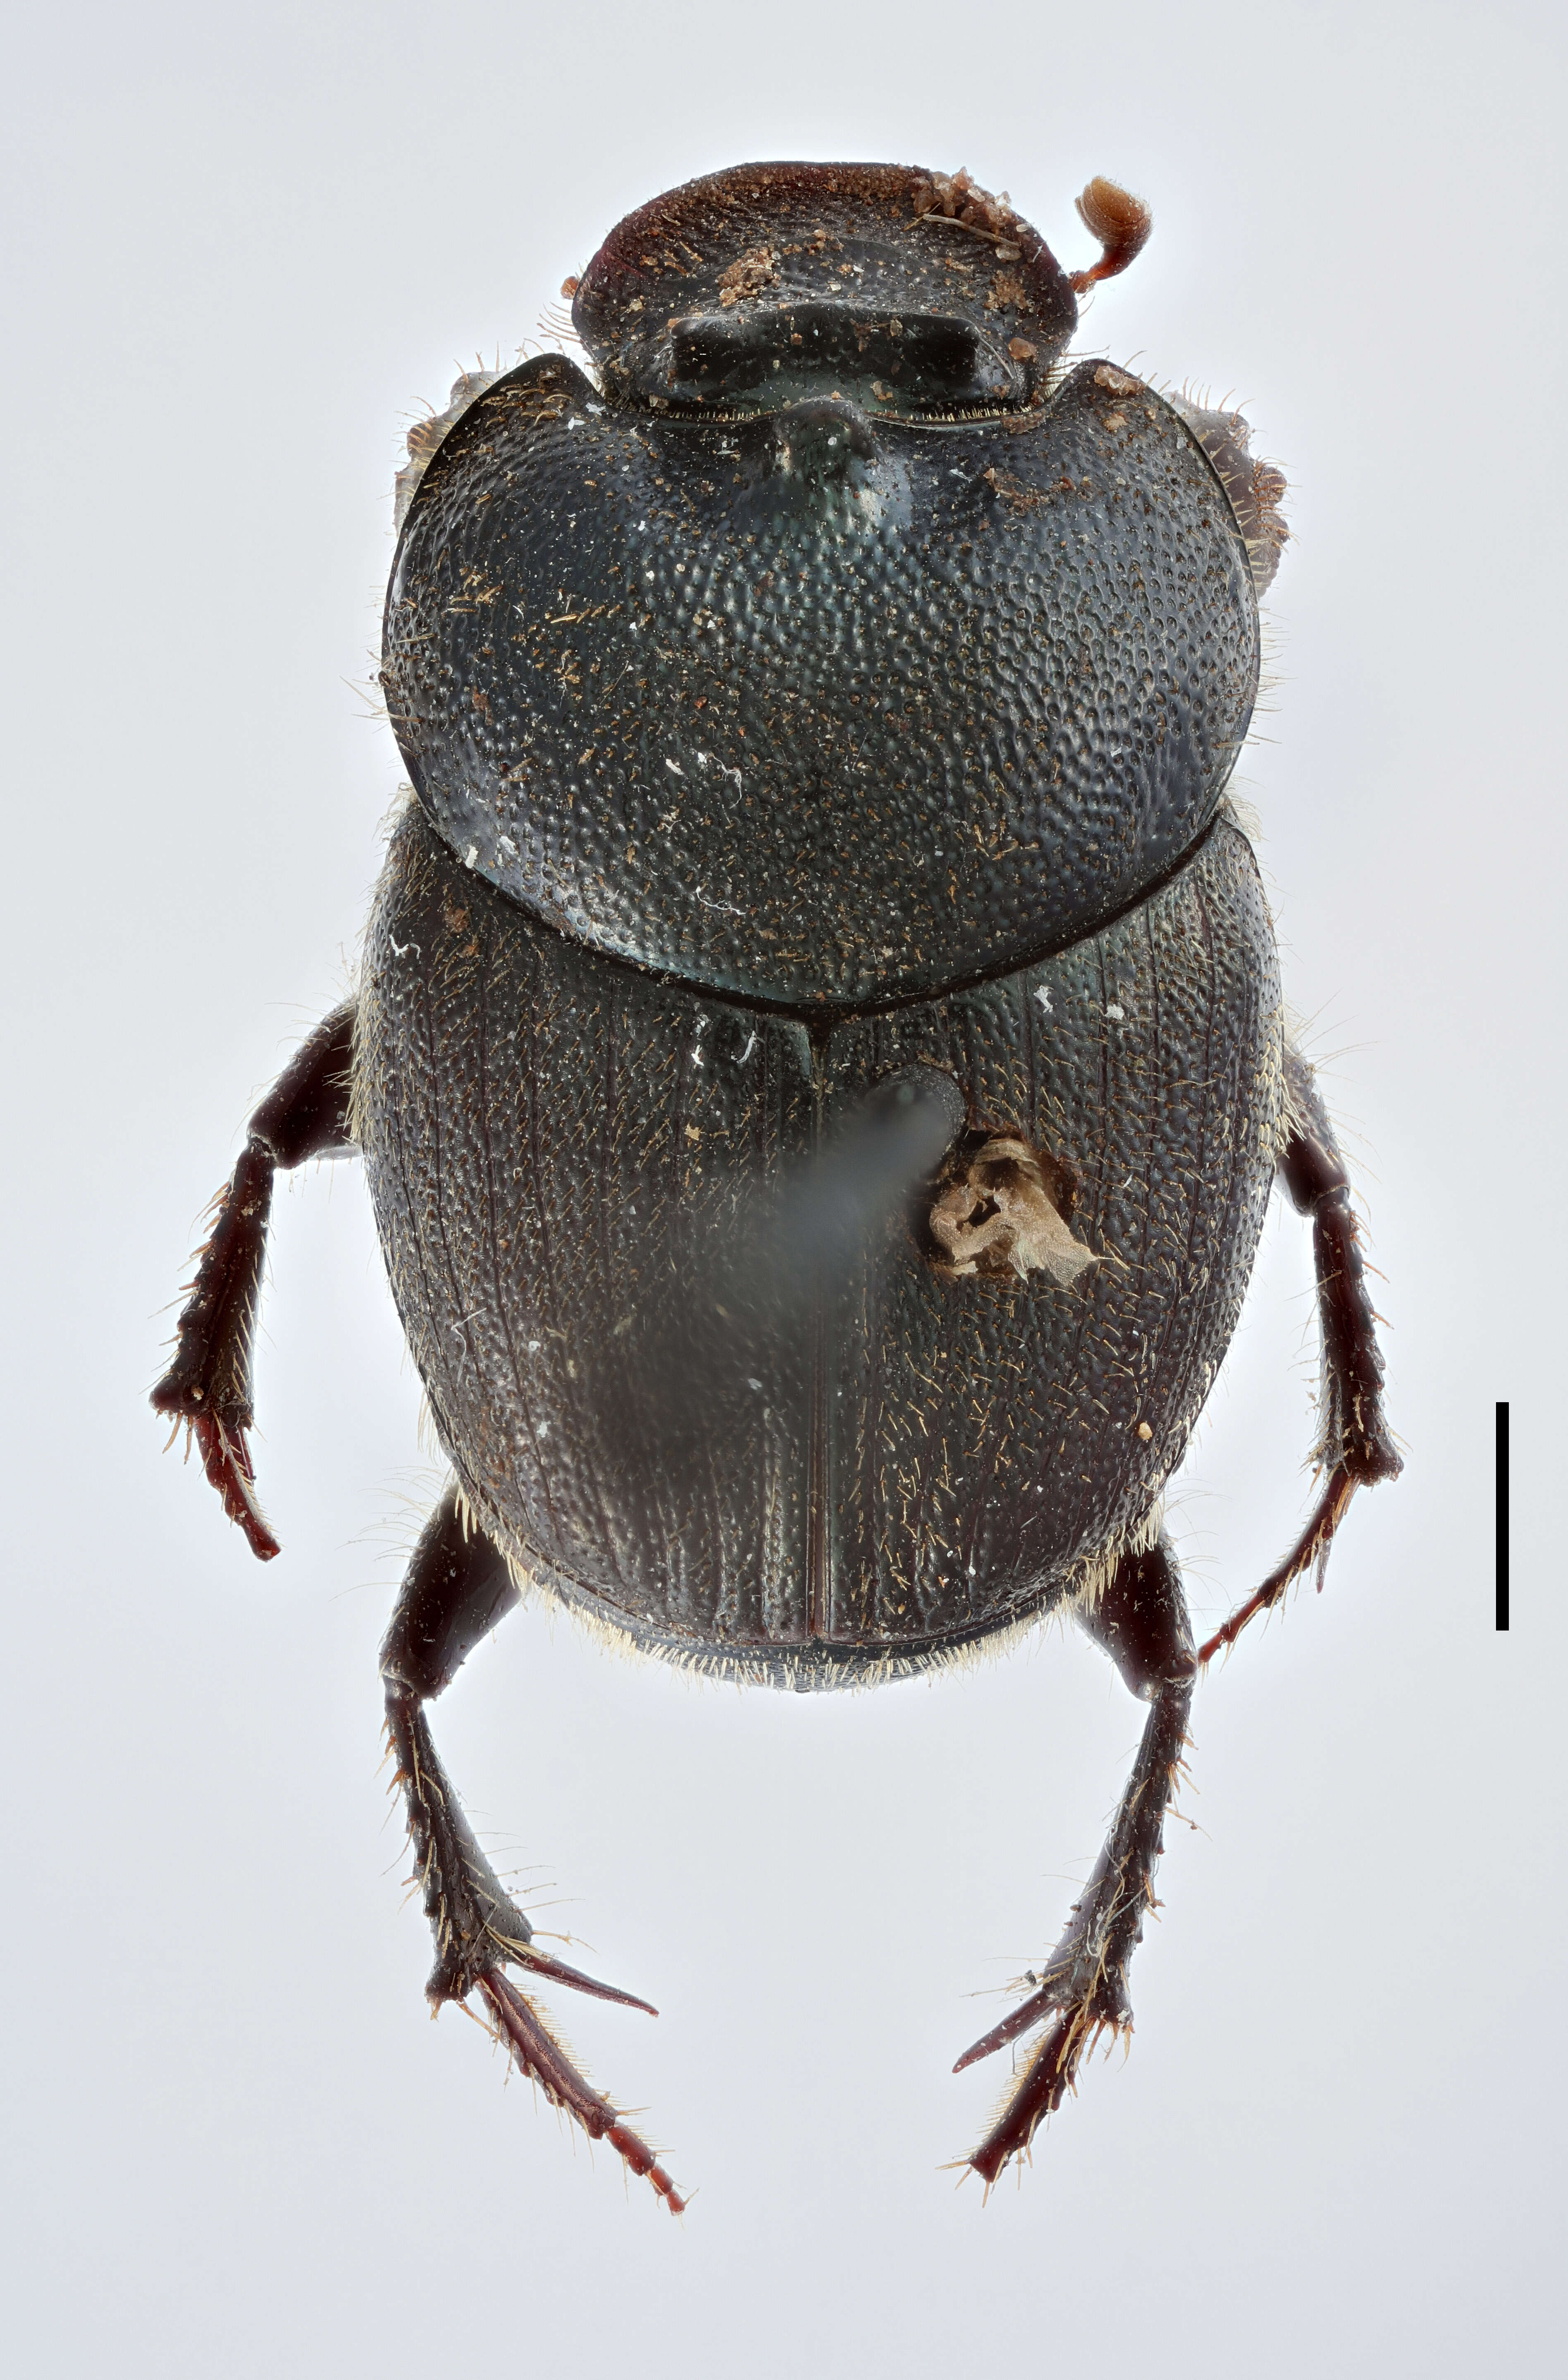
819, 1054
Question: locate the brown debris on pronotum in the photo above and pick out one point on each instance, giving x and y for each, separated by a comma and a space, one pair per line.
748, 276
958, 199
1119, 222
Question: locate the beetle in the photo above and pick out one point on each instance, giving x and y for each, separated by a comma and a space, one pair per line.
819, 1055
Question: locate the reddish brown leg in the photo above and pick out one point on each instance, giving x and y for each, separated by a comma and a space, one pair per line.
1141, 1619
208, 1384
457, 1589
1355, 1447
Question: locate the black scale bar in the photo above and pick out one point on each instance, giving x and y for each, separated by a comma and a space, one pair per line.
1500, 1493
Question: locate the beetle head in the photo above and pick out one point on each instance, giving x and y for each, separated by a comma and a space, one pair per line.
907, 293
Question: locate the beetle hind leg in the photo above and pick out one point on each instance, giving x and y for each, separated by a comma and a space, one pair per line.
457, 1589
1082, 1994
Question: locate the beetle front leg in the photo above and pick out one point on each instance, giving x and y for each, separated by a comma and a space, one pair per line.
457, 1589
1141, 1619
1355, 1447
208, 1385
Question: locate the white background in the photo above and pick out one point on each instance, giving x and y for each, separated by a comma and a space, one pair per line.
248, 246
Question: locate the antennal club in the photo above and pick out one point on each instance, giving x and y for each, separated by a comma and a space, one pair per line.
1119, 222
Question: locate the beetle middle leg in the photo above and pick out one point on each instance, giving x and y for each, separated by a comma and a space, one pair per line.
457, 1589
1354, 1447
1141, 1619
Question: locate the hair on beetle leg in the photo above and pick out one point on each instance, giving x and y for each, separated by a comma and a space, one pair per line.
1089, 1583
